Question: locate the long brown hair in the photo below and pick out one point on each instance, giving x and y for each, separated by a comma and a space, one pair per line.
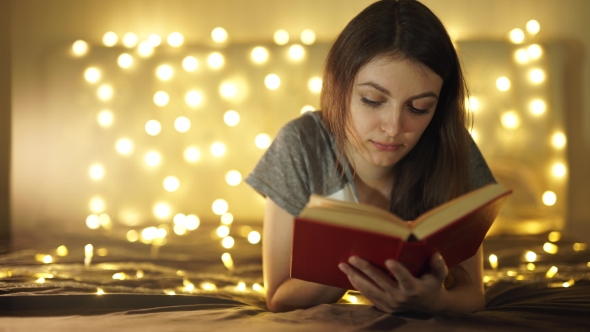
436, 169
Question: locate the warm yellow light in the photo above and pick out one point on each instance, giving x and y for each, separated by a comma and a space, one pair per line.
125, 60
175, 39
307, 108
521, 56
259, 54
161, 98
92, 74
228, 242
258, 288
538, 107
164, 72
153, 127
180, 229
533, 27
233, 178
188, 286
296, 52
88, 250
105, 92
192, 154
190, 63
551, 272
241, 286
493, 261
132, 236
62, 251
307, 37
124, 146
530, 256
281, 37
179, 219
96, 172
254, 237
558, 170
130, 40
219, 206
193, 98
40, 280
153, 158
558, 140
579, 246
550, 248
222, 231
171, 183
182, 124
105, 118
192, 222
208, 286
473, 103
503, 83
97, 205
554, 236
231, 118
516, 36
474, 135
315, 84
92, 221
536, 75
534, 51
105, 221
145, 49
245, 230
262, 141
162, 210
219, 35
149, 233
530, 266
218, 149
154, 40
110, 39
272, 81
510, 120
215, 60
80, 47
227, 261
549, 198
227, 218
119, 276
228, 90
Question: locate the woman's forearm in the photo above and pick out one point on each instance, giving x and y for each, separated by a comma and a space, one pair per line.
298, 294
462, 300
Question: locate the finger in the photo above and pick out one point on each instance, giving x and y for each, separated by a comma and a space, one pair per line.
406, 281
381, 279
361, 283
438, 267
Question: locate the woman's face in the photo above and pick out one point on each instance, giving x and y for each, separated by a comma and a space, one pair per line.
392, 103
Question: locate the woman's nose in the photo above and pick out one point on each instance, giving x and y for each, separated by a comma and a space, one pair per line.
391, 122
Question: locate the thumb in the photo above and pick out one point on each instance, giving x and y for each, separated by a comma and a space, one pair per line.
438, 267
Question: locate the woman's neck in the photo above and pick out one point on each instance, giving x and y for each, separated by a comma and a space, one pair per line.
373, 183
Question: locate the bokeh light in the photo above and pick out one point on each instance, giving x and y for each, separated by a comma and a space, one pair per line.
92, 74
521, 56
153, 127
164, 72
307, 108
192, 222
533, 27
231, 118
192, 154
132, 236
254, 237
190, 63
308, 37
125, 60
558, 140
228, 242
534, 51
92, 221
161, 98
96, 172
296, 52
558, 170
259, 54
218, 149
215, 60
536, 75
473, 103
222, 231
80, 47
272, 81
110, 39
516, 36
105, 118
219, 206
281, 37
124, 146
193, 98
219, 35
233, 178
510, 120
105, 92
503, 83
97, 205
162, 210
171, 183
154, 39
538, 107
130, 40
262, 141
315, 84
175, 39
153, 158
182, 124
145, 49
227, 218
228, 90
549, 198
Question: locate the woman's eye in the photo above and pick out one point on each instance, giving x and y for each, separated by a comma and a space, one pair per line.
370, 103
419, 111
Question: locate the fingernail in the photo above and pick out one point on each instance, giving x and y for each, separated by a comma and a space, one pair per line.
390, 263
353, 260
342, 267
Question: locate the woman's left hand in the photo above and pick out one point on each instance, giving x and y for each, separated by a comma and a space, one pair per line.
406, 291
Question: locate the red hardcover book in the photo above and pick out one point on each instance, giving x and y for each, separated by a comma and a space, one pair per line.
328, 232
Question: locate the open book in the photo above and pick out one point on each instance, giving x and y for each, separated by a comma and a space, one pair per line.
327, 232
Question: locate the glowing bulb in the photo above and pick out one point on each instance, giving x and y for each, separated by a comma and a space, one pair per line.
161, 98
154, 40
145, 49
208, 286
105, 92
97, 205
233, 178
62, 251
175, 39
296, 52
315, 84
219, 35
259, 54
558, 140
110, 39
153, 127
227, 218
92, 221
162, 211
554, 236
534, 51
171, 183
193, 98
153, 158
124, 146
493, 261
474, 135
80, 47
105, 221
549, 198
262, 141
551, 272
281, 37
558, 170
182, 124
222, 231
510, 120
231, 118
538, 107
130, 40
516, 36
550, 248
96, 172
227, 261
241, 286
272, 81
192, 222
192, 154
105, 118
125, 60
503, 83
220, 206
530, 256
536, 76
254, 237
579, 246
533, 27
132, 236
179, 219
180, 229
473, 103
149, 233
164, 72
307, 37
215, 60
228, 90
521, 56
228, 242
307, 108
218, 149
92, 75
258, 288
40, 280
190, 63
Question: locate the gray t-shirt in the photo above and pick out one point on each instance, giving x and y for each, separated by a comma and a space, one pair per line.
302, 160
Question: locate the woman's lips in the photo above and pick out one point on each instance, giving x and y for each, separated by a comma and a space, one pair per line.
386, 147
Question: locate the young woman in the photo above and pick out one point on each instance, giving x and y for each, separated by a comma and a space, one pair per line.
391, 133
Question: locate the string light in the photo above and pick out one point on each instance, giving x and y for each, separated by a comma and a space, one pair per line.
516, 36
92, 221
521, 56
105, 118
550, 248
153, 127
558, 170
227, 260
153, 158
315, 84
473, 103
164, 72
161, 98
190, 63
105, 222
192, 222
92, 75
175, 39
536, 76
110, 39
259, 55
307, 37
219, 35
192, 154
227, 218
171, 183
296, 52
534, 51
130, 40
558, 140
193, 98
88, 253
533, 27
281, 37
262, 141
97, 205
549, 198
551, 272
493, 261
554, 236
228, 90
538, 107
307, 108
219, 206
228, 242
145, 49
96, 172
510, 120
132, 236
162, 210
154, 40
222, 231
125, 60
530, 256
254, 237
105, 92
231, 118
218, 149
124, 146
530, 266
62, 251
207, 286
215, 60
577, 246
272, 81
80, 48
503, 83
233, 178
149, 234
182, 124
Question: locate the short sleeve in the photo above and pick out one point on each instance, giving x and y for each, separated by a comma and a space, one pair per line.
479, 172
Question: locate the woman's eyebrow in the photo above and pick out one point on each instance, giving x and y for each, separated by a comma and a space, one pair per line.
386, 92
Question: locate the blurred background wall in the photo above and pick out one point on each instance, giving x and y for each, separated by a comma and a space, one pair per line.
44, 29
